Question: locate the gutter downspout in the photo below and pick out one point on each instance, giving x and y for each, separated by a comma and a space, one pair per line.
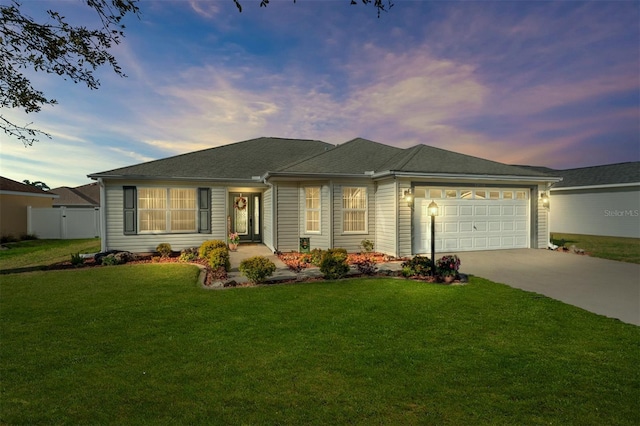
103, 215
331, 229
396, 209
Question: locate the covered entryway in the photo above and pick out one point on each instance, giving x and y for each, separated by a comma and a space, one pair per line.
472, 219
246, 216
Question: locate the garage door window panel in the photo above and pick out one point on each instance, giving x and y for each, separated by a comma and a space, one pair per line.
435, 193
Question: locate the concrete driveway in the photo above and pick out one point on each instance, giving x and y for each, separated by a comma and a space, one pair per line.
601, 286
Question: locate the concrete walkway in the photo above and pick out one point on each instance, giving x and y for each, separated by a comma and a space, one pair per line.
246, 251
601, 286
283, 273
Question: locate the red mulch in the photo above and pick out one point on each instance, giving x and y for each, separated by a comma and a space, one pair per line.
297, 261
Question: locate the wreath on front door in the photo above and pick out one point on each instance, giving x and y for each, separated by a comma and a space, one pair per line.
241, 203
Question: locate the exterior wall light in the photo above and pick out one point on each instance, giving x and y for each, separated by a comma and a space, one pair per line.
408, 197
545, 199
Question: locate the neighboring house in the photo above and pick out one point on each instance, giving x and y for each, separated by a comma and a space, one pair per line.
275, 191
599, 200
15, 197
85, 196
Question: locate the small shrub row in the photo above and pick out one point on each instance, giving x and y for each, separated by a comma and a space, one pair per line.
421, 266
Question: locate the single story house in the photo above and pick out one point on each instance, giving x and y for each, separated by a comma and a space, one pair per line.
277, 191
15, 197
83, 196
599, 200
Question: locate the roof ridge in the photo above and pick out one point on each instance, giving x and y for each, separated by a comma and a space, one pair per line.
412, 152
333, 147
83, 196
295, 163
600, 165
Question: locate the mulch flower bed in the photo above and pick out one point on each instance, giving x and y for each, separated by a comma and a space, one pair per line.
297, 261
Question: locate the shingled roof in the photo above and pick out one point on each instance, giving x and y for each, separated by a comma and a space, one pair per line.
81, 196
10, 185
354, 157
257, 157
240, 160
429, 159
361, 155
610, 174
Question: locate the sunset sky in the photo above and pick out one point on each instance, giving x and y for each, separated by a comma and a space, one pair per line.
553, 84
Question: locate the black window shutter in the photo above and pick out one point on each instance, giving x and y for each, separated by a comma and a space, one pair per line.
204, 210
129, 207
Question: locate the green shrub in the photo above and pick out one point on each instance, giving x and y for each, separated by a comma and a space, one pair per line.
367, 246
164, 249
334, 264
110, 260
448, 265
76, 259
219, 258
257, 268
315, 256
28, 237
188, 254
366, 265
207, 246
418, 266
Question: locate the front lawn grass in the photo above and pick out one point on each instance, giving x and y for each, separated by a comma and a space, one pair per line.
144, 344
614, 248
32, 253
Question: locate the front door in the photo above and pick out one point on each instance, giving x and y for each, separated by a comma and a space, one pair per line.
246, 216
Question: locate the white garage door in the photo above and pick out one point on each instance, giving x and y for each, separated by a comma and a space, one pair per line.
472, 219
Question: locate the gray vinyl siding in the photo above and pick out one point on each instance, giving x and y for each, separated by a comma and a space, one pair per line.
267, 218
322, 239
351, 242
288, 217
113, 210
404, 223
386, 208
218, 213
609, 211
542, 220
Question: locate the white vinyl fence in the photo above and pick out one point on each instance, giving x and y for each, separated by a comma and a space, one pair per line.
63, 223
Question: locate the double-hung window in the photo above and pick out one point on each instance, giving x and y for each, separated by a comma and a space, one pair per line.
354, 210
312, 209
167, 210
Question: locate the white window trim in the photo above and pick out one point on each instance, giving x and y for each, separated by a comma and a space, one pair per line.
365, 231
167, 212
307, 210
